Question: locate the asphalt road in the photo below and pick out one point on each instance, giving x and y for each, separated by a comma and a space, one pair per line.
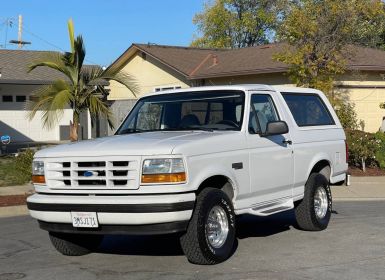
353, 247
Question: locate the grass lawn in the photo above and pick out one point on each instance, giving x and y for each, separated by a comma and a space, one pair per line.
12, 173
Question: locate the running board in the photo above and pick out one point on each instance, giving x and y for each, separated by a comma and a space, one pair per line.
269, 208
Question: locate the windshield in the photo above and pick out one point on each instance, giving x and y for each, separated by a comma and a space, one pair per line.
208, 110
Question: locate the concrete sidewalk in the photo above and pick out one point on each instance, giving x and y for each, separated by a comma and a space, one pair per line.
361, 189
18, 210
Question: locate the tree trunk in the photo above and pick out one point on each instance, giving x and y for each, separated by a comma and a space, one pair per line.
74, 128
363, 164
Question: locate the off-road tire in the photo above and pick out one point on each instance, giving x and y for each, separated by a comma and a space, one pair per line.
75, 244
194, 242
304, 209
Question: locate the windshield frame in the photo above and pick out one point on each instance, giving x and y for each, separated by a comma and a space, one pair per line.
228, 92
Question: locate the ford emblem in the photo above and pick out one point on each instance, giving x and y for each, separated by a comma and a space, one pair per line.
90, 174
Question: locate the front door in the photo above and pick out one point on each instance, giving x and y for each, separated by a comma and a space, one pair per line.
271, 158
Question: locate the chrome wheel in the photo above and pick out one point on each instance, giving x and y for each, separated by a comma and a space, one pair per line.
320, 202
217, 227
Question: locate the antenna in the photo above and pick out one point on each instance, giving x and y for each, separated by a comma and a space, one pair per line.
20, 43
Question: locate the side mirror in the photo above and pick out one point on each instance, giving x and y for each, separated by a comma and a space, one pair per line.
276, 128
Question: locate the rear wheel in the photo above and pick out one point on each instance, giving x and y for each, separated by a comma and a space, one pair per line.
75, 244
210, 235
313, 212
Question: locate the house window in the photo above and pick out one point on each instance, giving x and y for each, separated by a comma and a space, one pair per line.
166, 88
7, 98
21, 98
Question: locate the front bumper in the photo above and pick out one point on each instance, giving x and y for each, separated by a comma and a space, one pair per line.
130, 214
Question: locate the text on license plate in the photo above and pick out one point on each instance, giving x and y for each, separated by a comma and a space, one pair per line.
84, 219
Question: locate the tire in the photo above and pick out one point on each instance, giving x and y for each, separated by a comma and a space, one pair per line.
75, 244
316, 188
200, 248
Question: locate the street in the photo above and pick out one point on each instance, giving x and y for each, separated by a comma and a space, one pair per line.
353, 247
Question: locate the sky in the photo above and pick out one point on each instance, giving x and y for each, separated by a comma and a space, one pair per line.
108, 27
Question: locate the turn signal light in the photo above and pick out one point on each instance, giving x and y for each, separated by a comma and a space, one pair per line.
38, 179
164, 178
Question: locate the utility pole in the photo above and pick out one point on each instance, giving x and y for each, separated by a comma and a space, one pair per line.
20, 43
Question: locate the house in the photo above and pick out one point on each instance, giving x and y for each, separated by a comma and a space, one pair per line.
157, 68
16, 87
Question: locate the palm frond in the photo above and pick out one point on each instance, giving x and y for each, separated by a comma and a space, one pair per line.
51, 100
71, 34
98, 108
123, 78
54, 61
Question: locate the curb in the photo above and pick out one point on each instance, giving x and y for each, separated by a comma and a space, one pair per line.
13, 211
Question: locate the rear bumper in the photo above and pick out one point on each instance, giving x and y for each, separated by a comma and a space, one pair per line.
141, 214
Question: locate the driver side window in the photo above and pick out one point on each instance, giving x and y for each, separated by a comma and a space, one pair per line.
262, 111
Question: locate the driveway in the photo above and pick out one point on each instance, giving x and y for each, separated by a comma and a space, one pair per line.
353, 247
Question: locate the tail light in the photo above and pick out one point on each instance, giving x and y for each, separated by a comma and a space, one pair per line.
346, 151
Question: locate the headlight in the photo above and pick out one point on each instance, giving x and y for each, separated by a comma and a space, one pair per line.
164, 170
38, 172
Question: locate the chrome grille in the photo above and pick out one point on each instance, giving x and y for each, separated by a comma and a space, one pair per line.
84, 173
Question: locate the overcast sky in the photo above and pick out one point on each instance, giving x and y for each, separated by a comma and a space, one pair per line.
109, 27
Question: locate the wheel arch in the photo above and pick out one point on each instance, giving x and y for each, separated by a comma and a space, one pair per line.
321, 165
219, 181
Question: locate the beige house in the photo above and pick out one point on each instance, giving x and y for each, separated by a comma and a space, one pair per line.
159, 68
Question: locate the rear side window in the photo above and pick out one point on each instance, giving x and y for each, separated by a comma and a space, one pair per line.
308, 109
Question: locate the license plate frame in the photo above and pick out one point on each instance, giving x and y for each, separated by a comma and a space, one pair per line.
84, 219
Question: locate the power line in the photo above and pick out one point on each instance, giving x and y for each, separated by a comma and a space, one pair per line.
51, 44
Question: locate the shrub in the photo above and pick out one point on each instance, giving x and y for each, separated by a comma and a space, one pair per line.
23, 165
380, 153
347, 115
363, 147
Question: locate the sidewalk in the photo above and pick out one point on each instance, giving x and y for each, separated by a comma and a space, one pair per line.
361, 189
18, 210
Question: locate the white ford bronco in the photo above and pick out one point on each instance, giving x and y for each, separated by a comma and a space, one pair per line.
190, 161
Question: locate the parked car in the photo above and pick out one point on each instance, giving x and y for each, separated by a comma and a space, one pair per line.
190, 161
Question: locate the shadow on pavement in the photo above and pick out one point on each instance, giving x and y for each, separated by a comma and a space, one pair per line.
253, 226
168, 245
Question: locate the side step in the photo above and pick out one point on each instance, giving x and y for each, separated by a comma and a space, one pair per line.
269, 208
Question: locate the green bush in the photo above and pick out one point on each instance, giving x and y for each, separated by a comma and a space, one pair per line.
363, 147
347, 116
24, 164
380, 153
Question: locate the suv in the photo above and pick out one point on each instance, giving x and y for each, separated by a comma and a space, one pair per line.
190, 161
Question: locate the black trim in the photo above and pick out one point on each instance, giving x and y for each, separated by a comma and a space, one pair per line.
237, 165
152, 229
106, 194
113, 208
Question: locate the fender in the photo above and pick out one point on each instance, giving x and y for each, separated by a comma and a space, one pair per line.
215, 170
317, 158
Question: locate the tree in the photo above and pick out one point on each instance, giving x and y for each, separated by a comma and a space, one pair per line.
319, 33
237, 23
81, 88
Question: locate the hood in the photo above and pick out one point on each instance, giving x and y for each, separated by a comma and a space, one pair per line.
150, 143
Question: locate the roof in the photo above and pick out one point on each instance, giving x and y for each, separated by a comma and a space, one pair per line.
14, 68
198, 63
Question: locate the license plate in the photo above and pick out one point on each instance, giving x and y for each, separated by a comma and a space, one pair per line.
84, 219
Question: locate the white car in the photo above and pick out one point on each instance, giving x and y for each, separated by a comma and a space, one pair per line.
190, 161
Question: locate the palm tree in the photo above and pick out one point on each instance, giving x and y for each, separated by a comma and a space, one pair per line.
81, 88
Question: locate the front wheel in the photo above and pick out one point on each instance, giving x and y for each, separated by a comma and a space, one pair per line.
313, 212
210, 235
75, 244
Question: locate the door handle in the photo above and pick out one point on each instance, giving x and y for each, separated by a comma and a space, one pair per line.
287, 142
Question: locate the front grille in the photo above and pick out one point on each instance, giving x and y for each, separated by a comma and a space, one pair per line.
93, 174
